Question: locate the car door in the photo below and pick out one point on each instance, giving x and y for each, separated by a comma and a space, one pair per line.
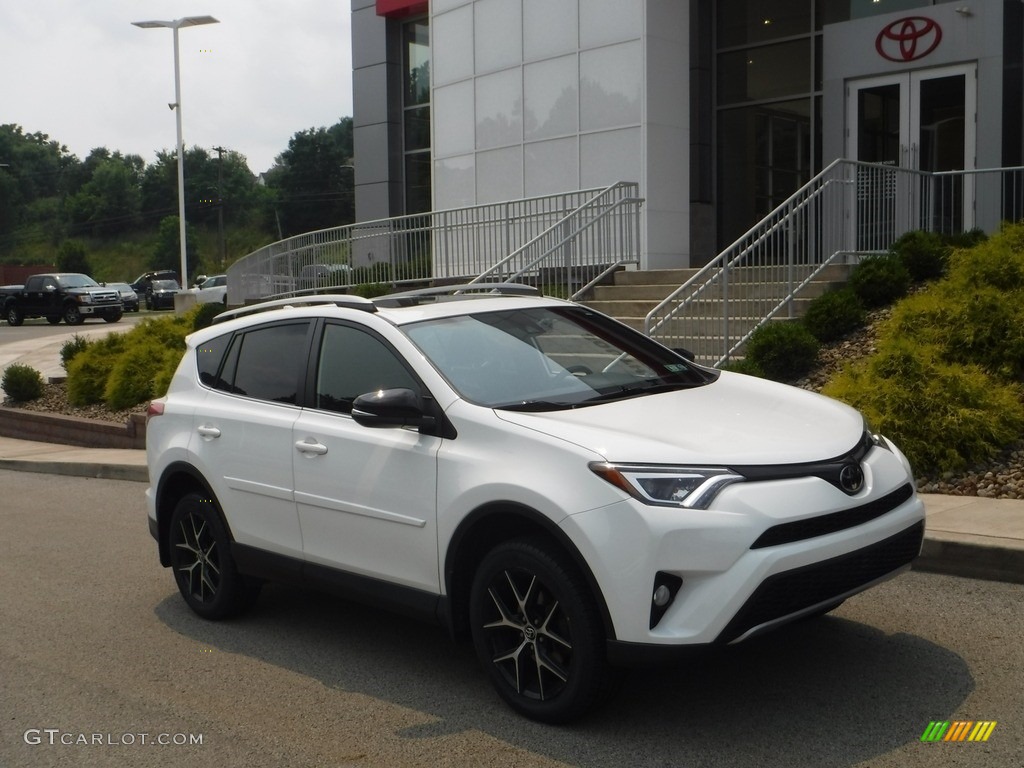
366, 497
243, 437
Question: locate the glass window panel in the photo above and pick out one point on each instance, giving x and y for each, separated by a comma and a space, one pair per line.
742, 22
352, 363
942, 123
499, 36
551, 95
764, 73
452, 130
417, 182
417, 62
550, 27
878, 129
768, 159
610, 86
862, 8
208, 357
417, 128
452, 45
499, 109
830, 12
269, 362
609, 21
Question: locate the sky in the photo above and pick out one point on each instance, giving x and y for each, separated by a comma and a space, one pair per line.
78, 71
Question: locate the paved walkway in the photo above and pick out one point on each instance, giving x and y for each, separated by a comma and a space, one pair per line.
965, 535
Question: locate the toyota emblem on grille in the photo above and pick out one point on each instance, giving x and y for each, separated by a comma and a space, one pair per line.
908, 39
851, 478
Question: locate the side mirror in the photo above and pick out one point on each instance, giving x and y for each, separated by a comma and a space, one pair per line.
391, 408
684, 353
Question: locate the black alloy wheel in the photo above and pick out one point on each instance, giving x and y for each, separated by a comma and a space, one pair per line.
14, 316
537, 631
201, 561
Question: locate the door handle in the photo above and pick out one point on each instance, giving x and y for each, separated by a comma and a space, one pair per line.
311, 447
208, 432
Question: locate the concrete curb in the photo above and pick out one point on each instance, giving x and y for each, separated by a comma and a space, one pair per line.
995, 560
99, 470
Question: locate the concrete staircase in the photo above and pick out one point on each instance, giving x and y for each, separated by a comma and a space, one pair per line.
752, 291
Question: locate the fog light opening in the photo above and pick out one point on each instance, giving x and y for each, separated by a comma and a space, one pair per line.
666, 585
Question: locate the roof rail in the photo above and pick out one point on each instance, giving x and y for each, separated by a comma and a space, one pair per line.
336, 299
464, 290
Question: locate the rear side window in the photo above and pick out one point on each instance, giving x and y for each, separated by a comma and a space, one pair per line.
265, 363
208, 358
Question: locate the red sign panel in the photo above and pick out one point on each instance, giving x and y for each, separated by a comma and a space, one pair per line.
908, 39
401, 7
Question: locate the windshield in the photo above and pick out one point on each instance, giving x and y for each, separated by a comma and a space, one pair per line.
549, 358
76, 281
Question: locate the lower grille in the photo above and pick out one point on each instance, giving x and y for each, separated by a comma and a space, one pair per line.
792, 591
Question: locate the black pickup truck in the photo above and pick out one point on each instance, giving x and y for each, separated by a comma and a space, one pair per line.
69, 296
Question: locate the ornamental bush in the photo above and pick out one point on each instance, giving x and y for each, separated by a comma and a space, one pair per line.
834, 314
70, 348
22, 383
943, 416
782, 351
880, 280
89, 369
924, 254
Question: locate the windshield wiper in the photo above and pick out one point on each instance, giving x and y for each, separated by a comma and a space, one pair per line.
535, 406
636, 390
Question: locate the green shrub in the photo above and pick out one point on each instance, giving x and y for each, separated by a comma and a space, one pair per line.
783, 351
745, 366
943, 416
133, 378
70, 348
880, 280
88, 371
967, 239
371, 290
924, 254
22, 383
998, 262
834, 314
203, 314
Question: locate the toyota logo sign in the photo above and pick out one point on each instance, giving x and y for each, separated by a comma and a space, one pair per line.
907, 39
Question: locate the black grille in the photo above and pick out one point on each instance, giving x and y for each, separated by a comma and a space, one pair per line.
786, 593
798, 530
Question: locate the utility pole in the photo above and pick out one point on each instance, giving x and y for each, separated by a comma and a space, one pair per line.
220, 203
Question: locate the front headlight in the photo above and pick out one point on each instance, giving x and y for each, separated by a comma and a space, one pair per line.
668, 486
84, 298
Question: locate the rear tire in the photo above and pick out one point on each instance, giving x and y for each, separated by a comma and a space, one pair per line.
204, 570
538, 633
14, 316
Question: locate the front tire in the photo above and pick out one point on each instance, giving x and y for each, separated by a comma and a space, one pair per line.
113, 318
537, 631
201, 561
73, 315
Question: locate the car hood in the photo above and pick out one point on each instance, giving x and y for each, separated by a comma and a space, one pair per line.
736, 420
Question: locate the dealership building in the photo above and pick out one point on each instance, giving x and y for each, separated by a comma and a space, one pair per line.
719, 111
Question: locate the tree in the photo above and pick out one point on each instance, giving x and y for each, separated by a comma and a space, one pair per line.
109, 202
71, 257
313, 179
167, 252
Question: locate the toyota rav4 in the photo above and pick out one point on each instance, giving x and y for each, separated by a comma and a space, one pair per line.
563, 490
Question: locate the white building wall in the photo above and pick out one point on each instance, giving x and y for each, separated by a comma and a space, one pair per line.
535, 97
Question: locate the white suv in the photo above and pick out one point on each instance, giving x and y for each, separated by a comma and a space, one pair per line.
531, 473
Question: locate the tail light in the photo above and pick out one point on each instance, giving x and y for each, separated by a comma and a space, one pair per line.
155, 408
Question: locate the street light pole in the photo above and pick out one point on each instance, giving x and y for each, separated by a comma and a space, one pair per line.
174, 26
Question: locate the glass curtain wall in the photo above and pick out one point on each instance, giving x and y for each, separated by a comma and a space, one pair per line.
416, 115
768, 78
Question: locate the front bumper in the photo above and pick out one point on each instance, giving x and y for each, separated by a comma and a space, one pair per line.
764, 554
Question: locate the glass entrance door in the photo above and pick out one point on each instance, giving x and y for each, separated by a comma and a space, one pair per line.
918, 121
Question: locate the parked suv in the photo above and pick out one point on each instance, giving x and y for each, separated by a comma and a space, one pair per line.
562, 489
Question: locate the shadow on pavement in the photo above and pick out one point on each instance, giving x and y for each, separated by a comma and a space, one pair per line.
820, 692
